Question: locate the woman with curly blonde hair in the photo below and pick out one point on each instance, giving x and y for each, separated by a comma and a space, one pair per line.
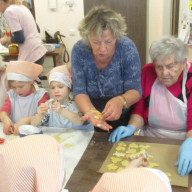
105, 69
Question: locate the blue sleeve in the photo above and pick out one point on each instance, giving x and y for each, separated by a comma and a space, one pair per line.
123, 73
18, 37
77, 69
131, 66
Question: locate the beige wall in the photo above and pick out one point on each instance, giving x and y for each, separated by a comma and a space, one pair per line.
159, 21
61, 19
64, 19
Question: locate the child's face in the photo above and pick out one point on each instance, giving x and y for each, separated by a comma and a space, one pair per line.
59, 91
21, 88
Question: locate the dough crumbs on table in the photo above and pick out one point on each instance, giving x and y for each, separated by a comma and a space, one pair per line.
168, 175
68, 145
151, 165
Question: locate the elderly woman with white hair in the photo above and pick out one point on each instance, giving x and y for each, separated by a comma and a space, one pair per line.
165, 109
3, 82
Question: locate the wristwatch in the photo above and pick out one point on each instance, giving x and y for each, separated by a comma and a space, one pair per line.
125, 102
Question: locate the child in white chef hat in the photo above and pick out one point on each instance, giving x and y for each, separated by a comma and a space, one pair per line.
61, 111
24, 97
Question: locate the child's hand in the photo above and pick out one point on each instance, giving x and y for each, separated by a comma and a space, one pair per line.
141, 161
8, 127
42, 109
5, 40
24, 121
16, 131
56, 107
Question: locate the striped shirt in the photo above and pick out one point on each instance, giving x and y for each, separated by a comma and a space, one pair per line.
31, 164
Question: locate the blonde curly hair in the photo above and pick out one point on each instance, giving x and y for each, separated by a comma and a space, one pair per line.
101, 18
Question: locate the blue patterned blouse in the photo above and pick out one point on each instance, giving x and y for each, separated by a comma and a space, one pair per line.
121, 75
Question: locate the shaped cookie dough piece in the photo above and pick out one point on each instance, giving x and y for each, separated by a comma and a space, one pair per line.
133, 145
112, 167
119, 154
125, 163
115, 159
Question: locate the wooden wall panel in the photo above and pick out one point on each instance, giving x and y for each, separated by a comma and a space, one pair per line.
135, 13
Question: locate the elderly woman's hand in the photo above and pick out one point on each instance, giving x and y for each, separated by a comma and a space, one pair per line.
96, 122
113, 109
121, 132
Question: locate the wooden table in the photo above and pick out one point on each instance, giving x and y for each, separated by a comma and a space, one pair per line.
86, 175
54, 54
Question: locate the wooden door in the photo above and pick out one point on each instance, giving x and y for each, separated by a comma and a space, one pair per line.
175, 20
135, 14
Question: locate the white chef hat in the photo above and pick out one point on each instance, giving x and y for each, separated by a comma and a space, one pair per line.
23, 71
61, 74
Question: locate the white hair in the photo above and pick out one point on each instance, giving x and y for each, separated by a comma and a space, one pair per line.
168, 46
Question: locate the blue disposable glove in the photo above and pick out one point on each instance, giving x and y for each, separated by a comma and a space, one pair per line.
121, 132
184, 161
